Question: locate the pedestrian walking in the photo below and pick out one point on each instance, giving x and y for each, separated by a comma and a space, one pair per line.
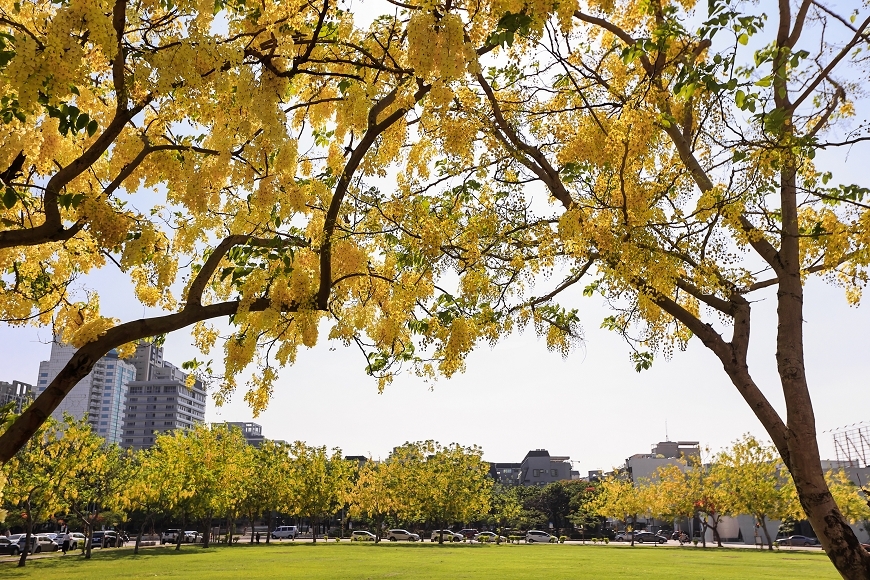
66, 540
258, 537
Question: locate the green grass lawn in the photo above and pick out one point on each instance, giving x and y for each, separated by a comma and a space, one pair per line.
423, 561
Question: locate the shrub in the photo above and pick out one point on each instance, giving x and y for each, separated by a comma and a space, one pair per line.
606, 540
562, 539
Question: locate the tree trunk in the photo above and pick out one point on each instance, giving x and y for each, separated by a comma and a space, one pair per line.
180, 535
633, 525
139, 536
715, 527
206, 537
89, 541
763, 522
269, 528
802, 453
314, 530
23, 559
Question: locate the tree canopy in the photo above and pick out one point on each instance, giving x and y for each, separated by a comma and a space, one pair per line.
232, 160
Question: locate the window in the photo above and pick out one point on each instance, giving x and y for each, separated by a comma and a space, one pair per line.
105, 409
43, 381
536, 472
104, 416
43, 374
104, 422
554, 472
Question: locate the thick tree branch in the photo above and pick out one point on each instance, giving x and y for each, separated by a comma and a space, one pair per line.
375, 129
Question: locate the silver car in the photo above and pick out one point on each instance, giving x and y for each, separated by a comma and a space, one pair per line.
362, 536
396, 535
539, 537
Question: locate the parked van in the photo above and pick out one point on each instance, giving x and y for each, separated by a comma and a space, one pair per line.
282, 532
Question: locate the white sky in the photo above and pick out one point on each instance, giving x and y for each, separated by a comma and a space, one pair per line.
592, 406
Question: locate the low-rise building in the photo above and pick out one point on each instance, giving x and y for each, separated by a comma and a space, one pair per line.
505, 473
540, 468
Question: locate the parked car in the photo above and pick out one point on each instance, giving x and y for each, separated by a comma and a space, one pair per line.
192, 537
362, 536
493, 537
396, 535
282, 532
449, 536
9, 547
468, 533
539, 537
623, 536
649, 537
105, 539
45, 543
77, 540
169, 536
799, 541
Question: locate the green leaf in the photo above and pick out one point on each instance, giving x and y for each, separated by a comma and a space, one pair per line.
743, 39
10, 198
740, 99
92, 128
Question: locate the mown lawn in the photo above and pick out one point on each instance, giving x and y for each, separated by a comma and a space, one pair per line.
423, 561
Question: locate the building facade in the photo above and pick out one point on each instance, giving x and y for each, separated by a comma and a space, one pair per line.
506, 473
540, 468
101, 395
160, 403
252, 432
17, 392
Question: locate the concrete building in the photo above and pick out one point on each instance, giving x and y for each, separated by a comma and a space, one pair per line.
16, 392
252, 432
642, 466
506, 473
540, 468
101, 395
161, 403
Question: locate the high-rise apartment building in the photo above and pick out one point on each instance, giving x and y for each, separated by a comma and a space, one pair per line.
16, 392
159, 400
101, 395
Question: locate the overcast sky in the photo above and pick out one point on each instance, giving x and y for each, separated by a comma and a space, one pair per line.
518, 396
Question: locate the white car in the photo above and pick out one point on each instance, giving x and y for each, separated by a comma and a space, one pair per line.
490, 537
170, 536
282, 532
449, 536
396, 535
192, 536
77, 539
45, 544
539, 537
362, 536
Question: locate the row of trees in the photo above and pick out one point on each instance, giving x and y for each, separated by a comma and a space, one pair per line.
209, 474
665, 155
747, 478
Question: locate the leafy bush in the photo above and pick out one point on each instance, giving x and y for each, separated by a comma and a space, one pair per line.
562, 539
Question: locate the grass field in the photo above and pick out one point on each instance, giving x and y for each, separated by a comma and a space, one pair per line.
425, 561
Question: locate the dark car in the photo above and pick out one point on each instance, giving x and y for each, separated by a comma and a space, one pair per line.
799, 541
643, 537
105, 539
8, 546
468, 533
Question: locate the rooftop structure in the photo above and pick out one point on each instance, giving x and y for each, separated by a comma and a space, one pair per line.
17, 392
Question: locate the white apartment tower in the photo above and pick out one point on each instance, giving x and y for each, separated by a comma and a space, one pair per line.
101, 395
